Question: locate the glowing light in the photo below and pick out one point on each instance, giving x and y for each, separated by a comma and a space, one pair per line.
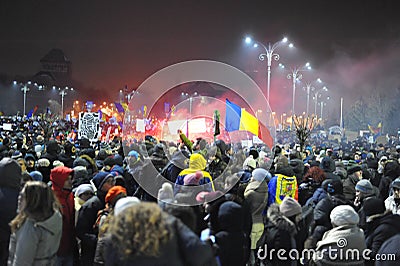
285, 39
255, 45
15, 82
248, 40
291, 45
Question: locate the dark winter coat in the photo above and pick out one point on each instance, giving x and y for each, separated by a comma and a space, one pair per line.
217, 167
231, 237
280, 233
390, 246
349, 187
131, 176
322, 213
318, 195
85, 229
379, 229
175, 166
66, 159
184, 248
361, 213
298, 168
8, 210
159, 160
384, 186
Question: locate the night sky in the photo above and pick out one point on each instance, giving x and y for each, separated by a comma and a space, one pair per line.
354, 46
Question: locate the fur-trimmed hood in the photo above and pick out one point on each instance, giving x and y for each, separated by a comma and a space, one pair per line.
277, 219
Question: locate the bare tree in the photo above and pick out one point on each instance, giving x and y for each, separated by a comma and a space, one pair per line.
304, 125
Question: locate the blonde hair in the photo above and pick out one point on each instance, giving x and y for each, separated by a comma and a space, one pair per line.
141, 229
39, 204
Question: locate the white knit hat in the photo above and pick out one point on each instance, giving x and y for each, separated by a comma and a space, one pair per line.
250, 162
124, 203
166, 192
344, 215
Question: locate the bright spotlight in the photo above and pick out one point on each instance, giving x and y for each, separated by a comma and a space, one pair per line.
248, 40
285, 39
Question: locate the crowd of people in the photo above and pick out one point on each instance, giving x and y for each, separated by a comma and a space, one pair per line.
72, 202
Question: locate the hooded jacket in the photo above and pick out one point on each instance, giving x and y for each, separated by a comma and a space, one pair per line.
231, 237
196, 163
349, 187
298, 168
256, 195
58, 177
391, 205
322, 211
36, 243
279, 233
175, 166
10, 183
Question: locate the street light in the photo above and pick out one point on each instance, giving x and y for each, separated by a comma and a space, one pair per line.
268, 55
25, 88
308, 88
323, 103
63, 92
316, 95
295, 75
282, 116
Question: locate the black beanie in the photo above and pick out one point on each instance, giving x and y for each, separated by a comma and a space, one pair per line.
373, 206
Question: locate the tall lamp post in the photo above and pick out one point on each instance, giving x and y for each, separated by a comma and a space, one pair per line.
296, 75
268, 55
25, 88
309, 87
63, 92
316, 95
283, 116
323, 103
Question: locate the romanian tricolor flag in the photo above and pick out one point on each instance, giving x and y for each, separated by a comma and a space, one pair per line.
238, 118
376, 131
125, 106
32, 111
119, 107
